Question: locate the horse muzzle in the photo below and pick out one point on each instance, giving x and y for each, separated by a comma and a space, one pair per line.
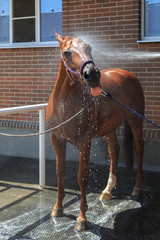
91, 76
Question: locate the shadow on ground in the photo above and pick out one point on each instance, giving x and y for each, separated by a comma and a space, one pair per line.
25, 208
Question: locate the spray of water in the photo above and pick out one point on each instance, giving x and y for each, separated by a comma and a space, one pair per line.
126, 55
109, 52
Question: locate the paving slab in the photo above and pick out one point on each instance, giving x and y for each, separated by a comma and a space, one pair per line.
25, 208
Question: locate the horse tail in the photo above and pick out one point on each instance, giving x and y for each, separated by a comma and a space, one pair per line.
128, 146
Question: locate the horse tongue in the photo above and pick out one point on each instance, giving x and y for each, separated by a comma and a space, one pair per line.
96, 91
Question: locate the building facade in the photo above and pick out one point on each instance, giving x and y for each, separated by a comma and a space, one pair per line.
118, 36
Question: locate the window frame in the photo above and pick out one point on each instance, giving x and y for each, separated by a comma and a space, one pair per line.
37, 42
143, 38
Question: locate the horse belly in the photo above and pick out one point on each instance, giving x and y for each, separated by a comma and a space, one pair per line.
109, 125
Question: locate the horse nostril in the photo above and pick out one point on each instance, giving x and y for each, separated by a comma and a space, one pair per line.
86, 76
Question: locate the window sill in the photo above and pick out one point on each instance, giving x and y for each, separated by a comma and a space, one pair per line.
29, 45
148, 41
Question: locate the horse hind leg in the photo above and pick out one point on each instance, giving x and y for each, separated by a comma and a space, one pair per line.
113, 147
60, 149
137, 129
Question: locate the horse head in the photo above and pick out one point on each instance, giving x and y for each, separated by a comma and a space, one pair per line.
78, 61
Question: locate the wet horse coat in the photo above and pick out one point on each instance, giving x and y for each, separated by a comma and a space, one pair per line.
101, 118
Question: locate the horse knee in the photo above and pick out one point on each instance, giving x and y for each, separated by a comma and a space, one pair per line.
113, 145
82, 180
60, 172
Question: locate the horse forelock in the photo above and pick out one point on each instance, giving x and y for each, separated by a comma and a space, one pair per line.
69, 42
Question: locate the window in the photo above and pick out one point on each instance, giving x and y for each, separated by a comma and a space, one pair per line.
151, 20
29, 22
50, 13
23, 20
4, 21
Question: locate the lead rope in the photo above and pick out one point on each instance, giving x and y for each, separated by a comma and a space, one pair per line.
50, 129
128, 108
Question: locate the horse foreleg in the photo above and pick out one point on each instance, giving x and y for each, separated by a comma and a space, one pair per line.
60, 149
84, 154
113, 148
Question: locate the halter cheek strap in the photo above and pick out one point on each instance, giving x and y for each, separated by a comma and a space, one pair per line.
70, 70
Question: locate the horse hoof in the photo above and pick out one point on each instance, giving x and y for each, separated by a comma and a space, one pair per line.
81, 226
136, 192
105, 196
57, 212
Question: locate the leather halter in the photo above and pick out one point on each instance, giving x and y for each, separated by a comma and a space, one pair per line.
70, 70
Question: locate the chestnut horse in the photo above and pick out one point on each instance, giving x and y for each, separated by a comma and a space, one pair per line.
79, 84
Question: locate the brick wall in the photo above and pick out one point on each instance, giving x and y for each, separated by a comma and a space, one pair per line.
112, 28
27, 76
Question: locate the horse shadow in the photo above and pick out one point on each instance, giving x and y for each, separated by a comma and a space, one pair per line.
136, 223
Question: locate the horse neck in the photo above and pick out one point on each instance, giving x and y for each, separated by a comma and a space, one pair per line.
62, 80
64, 86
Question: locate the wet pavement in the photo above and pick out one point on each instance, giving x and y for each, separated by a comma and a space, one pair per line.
25, 208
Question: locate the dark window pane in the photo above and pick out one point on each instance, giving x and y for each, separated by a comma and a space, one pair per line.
23, 8
152, 18
4, 21
24, 30
51, 19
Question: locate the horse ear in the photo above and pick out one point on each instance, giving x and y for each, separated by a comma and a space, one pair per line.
59, 38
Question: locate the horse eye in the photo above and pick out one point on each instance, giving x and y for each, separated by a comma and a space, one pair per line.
67, 54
